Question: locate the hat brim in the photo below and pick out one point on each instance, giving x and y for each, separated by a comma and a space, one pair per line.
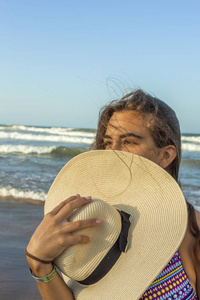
145, 191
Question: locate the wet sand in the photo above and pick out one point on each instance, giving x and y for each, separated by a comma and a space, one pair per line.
18, 221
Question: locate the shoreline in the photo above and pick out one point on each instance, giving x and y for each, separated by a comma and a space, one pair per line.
18, 221
29, 200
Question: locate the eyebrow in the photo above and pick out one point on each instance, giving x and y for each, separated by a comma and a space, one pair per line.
124, 136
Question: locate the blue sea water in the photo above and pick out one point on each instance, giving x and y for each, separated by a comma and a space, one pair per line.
31, 157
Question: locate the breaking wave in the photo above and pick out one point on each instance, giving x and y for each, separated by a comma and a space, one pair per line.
190, 147
20, 194
76, 139
41, 150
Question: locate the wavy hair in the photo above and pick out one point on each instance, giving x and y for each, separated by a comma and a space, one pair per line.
165, 130
163, 125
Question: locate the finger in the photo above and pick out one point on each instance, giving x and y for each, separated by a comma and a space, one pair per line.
63, 203
64, 241
78, 239
69, 207
81, 224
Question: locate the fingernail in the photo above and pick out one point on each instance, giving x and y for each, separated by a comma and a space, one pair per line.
90, 239
98, 221
88, 198
77, 195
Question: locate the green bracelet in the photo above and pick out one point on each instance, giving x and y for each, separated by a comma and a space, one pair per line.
47, 278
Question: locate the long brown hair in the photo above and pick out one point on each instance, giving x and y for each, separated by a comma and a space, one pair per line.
165, 130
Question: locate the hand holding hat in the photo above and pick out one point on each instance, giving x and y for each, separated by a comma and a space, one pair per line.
54, 234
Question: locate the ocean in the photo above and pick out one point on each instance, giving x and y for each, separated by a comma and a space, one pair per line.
32, 156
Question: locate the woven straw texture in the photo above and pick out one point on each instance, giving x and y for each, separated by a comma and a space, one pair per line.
158, 220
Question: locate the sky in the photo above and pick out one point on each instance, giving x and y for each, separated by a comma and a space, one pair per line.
61, 61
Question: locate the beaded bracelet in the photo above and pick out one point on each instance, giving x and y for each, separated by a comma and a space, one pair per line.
47, 278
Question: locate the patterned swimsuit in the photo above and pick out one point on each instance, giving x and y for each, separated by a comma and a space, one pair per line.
172, 283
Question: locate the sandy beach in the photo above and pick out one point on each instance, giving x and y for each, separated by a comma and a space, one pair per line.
18, 221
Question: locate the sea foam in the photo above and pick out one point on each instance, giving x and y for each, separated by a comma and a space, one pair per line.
190, 147
26, 149
15, 193
193, 139
50, 130
50, 138
42, 150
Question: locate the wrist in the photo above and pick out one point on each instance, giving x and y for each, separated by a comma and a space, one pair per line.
38, 268
47, 278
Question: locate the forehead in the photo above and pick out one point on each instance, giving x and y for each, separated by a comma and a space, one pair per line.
129, 120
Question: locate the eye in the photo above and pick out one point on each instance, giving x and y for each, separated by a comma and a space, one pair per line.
107, 143
127, 142
130, 142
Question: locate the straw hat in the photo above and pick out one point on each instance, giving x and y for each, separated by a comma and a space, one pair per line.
151, 200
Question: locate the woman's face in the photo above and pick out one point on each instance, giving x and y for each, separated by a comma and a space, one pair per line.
127, 131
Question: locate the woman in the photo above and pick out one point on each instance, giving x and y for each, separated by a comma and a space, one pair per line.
142, 125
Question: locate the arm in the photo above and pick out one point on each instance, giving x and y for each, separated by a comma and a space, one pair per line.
50, 239
56, 288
